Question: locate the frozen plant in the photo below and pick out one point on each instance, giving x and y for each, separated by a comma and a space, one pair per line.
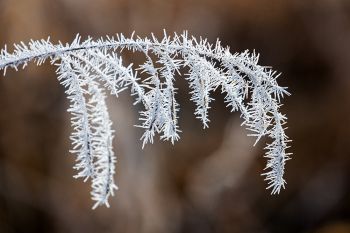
90, 68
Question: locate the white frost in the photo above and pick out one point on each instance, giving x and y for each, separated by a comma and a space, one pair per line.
87, 68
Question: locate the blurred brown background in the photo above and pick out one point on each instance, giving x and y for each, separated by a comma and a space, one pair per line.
210, 180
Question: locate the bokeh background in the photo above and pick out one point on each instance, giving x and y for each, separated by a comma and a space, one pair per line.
209, 182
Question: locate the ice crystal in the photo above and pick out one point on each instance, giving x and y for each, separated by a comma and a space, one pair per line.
89, 68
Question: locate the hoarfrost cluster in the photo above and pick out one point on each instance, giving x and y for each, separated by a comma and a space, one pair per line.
90, 68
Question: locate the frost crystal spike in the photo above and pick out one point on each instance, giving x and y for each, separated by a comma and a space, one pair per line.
87, 69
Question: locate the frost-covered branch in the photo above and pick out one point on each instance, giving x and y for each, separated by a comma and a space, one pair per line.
87, 69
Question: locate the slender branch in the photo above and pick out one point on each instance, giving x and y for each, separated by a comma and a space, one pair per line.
83, 66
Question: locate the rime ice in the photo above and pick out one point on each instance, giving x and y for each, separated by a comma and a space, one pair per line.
87, 69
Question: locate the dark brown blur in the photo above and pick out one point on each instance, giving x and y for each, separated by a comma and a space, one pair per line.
209, 181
